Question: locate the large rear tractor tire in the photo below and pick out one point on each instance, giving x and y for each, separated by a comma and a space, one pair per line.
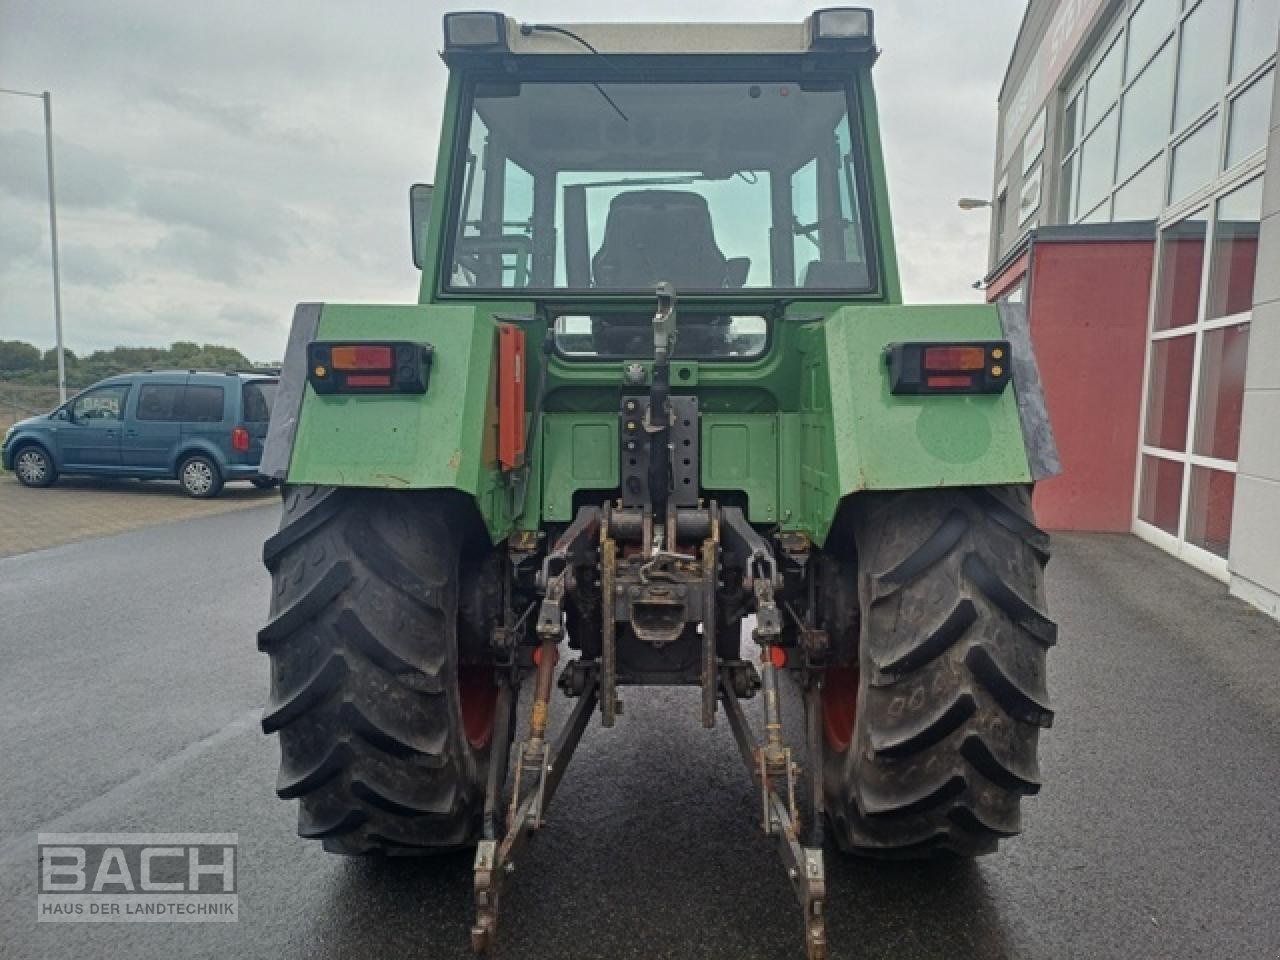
384, 732
931, 738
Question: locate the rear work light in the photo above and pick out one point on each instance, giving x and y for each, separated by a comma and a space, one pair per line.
973, 367
841, 28
388, 367
475, 30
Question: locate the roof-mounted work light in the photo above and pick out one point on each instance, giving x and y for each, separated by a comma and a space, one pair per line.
475, 32
841, 28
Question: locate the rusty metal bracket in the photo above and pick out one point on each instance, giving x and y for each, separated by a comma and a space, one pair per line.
495, 861
711, 577
610, 706
803, 862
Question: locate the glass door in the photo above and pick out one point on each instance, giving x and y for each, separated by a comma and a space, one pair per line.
1195, 378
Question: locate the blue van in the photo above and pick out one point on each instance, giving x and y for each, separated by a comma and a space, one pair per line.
201, 429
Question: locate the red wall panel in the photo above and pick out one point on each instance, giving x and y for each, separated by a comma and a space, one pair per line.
1088, 313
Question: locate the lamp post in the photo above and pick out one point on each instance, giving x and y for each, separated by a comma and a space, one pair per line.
47, 98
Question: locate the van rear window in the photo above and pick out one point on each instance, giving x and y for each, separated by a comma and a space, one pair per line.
259, 396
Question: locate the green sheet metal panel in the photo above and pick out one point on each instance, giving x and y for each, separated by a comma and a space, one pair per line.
740, 452
435, 440
579, 452
883, 442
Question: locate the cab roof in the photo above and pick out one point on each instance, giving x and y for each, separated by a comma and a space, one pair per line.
830, 30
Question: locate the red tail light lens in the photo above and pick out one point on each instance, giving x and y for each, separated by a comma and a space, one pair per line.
240, 440
361, 357
954, 358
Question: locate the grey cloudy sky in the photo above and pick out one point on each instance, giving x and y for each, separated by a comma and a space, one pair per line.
219, 162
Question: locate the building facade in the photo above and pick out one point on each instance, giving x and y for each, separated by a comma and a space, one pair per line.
1162, 114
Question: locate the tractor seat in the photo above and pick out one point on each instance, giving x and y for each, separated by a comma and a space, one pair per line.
656, 235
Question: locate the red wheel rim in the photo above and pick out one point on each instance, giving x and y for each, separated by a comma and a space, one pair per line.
478, 696
839, 706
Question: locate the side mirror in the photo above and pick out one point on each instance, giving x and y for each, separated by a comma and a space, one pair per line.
735, 271
63, 413
419, 219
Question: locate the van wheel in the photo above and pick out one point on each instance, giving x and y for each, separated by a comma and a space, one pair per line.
34, 467
199, 477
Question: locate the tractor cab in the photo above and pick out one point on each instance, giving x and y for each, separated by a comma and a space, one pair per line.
587, 163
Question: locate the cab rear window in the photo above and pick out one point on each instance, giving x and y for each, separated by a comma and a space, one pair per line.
259, 396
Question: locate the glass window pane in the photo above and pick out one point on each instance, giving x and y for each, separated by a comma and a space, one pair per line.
1029, 201
160, 401
1169, 392
1160, 496
1202, 64
624, 206
1222, 356
1033, 142
1250, 114
1104, 85
1067, 191
1179, 272
1213, 492
1097, 163
1144, 124
1099, 214
1256, 25
1071, 120
1235, 252
1194, 161
1139, 199
203, 404
1148, 28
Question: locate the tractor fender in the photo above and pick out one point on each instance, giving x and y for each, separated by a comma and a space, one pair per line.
435, 440
854, 435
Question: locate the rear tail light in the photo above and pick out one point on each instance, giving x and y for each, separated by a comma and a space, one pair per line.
240, 440
391, 367
362, 357
973, 367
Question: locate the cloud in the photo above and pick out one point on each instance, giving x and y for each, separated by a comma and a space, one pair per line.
84, 177
20, 241
90, 266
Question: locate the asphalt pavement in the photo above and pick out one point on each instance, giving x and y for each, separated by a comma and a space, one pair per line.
130, 691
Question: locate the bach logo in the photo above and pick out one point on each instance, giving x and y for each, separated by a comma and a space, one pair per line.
137, 877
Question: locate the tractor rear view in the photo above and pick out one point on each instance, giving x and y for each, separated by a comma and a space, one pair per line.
659, 390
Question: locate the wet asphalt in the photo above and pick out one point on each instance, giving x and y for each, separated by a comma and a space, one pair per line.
130, 690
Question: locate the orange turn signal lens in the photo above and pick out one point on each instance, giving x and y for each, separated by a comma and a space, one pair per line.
954, 358
361, 358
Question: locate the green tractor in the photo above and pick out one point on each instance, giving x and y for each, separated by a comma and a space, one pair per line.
659, 386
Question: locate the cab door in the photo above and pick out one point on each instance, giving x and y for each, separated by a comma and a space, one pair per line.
90, 439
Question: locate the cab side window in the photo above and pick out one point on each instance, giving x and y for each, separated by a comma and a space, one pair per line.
104, 403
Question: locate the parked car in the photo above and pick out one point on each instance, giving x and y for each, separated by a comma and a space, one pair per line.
201, 429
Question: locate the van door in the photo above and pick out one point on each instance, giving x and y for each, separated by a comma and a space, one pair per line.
90, 439
154, 428
204, 412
